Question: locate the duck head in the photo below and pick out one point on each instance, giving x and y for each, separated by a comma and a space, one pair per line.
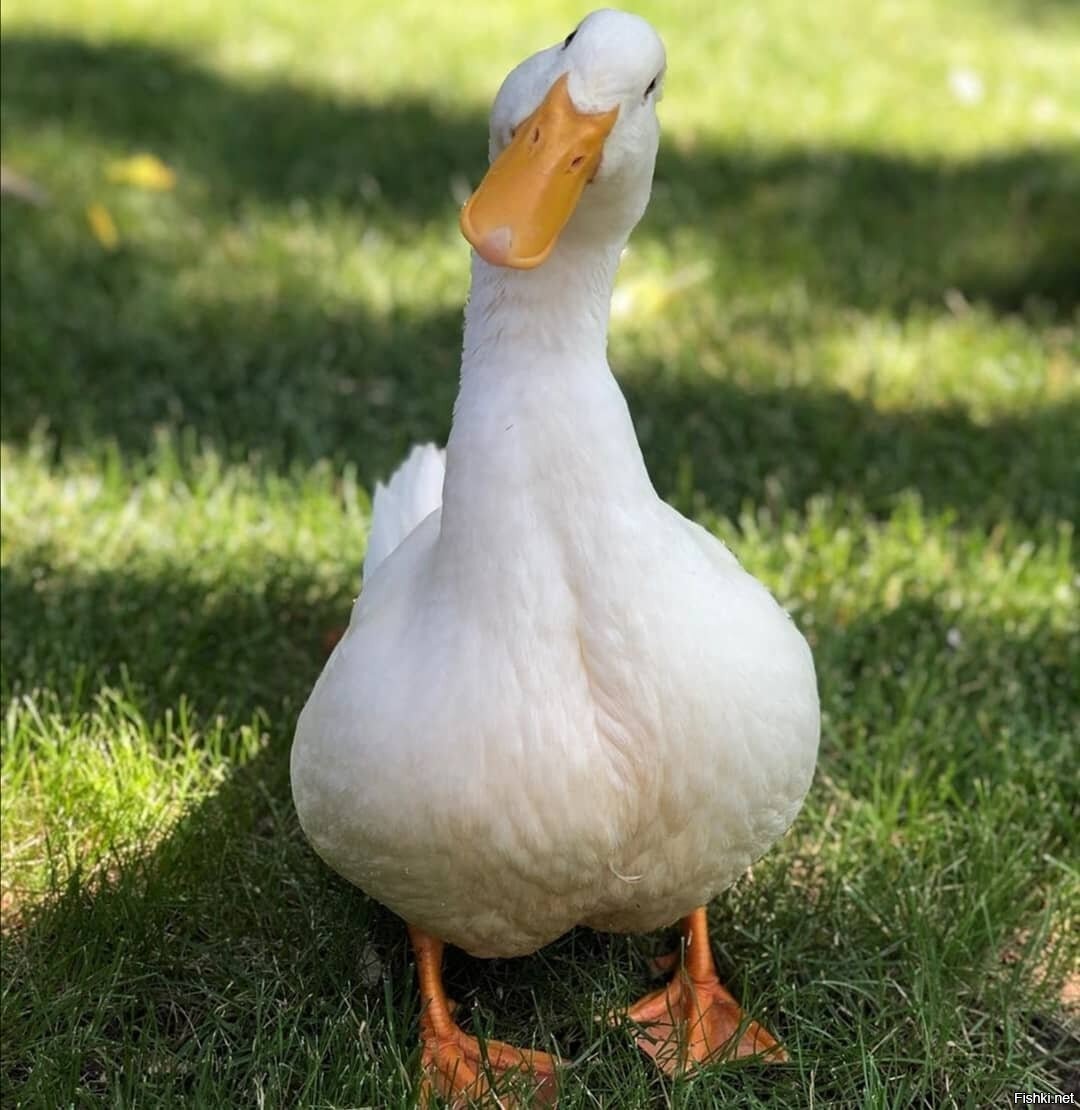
573, 143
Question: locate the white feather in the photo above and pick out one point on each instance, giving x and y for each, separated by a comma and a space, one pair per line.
413, 493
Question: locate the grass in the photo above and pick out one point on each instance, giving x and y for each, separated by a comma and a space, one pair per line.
848, 329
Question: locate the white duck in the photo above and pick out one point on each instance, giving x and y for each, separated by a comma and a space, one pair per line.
558, 701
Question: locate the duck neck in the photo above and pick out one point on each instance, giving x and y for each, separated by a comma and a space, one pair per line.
539, 419
548, 314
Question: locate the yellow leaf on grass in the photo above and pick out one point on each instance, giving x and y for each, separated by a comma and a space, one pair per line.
103, 225
144, 171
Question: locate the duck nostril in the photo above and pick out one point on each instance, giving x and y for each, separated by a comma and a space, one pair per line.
577, 162
535, 136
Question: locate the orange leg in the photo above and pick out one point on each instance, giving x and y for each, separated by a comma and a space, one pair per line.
694, 1019
455, 1065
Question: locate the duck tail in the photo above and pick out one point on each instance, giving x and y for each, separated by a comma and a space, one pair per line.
413, 492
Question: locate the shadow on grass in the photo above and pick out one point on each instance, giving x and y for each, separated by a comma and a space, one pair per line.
107, 348
1061, 15
229, 963
224, 647
859, 227
734, 447
270, 141
879, 231
168, 971
289, 381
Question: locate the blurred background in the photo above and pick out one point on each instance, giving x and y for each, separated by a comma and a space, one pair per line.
848, 331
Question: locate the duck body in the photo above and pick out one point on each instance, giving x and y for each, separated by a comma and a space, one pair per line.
558, 701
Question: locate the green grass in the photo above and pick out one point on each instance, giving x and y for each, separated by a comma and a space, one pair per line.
849, 332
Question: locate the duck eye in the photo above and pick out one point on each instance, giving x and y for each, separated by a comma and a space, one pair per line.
652, 86
569, 38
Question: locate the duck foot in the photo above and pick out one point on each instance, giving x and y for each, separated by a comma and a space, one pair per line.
465, 1073
459, 1070
695, 1020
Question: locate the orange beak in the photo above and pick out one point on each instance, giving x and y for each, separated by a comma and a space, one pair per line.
531, 190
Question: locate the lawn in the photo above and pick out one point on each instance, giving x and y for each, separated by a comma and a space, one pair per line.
849, 332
